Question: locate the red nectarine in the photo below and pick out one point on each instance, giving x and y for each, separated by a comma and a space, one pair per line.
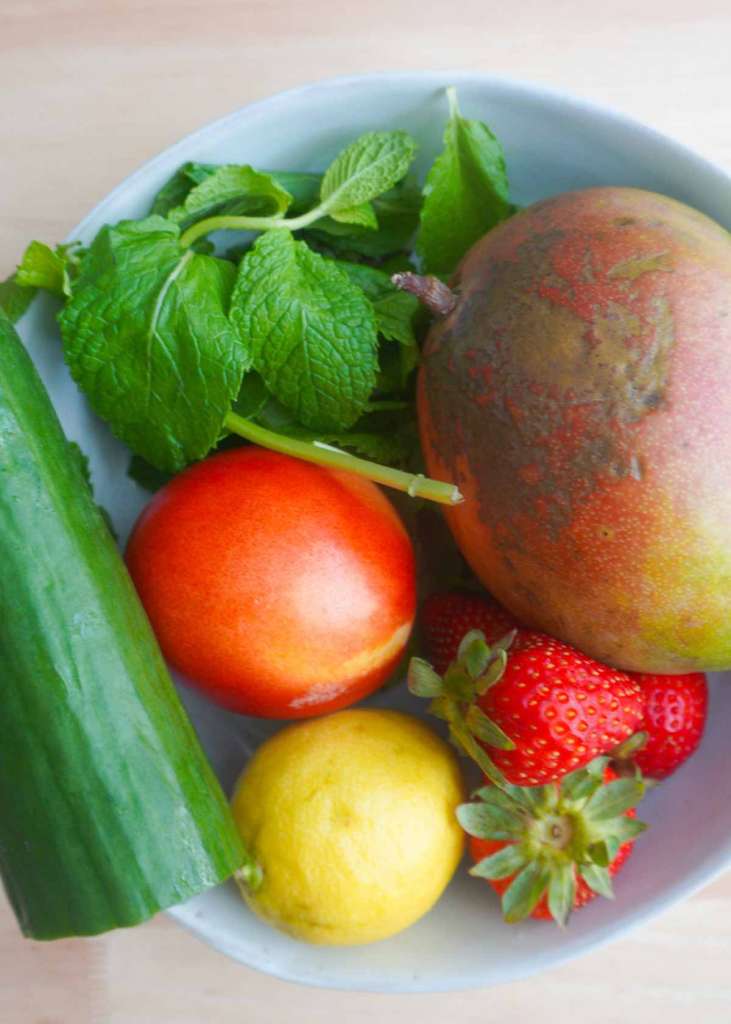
281, 588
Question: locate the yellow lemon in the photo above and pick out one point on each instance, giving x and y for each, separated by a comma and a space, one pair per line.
351, 821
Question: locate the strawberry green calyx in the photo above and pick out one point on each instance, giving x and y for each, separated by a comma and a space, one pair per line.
623, 759
477, 667
552, 839
626, 751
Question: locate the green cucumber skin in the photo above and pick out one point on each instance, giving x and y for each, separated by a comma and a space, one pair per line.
109, 810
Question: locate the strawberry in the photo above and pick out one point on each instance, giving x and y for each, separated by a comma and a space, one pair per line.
447, 617
550, 850
532, 712
675, 717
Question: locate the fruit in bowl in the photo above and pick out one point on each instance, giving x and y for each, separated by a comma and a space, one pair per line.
351, 823
590, 342
461, 941
281, 588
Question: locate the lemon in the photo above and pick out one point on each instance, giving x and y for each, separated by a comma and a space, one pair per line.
351, 821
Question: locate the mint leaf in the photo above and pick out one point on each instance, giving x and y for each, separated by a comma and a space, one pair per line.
392, 445
311, 333
173, 193
364, 216
396, 316
252, 397
396, 364
145, 475
235, 189
147, 339
465, 194
395, 310
398, 212
41, 267
302, 186
394, 448
81, 459
397, 215
366, 168
374, 282
79, 456
15, 298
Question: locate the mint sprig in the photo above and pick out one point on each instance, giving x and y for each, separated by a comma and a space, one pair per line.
161, 333
465, 194
416, 485
371, 165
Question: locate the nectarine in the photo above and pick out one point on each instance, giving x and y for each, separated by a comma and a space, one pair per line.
282, 589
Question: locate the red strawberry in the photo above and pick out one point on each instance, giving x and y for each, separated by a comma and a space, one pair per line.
448, 617
541, 709
547, 852
675, 717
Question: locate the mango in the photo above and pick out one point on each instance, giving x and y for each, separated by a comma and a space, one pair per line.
579, 393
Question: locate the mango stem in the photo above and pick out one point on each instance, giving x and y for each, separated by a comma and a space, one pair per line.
438, 298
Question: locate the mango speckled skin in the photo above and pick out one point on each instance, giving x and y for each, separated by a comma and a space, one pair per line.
580, 396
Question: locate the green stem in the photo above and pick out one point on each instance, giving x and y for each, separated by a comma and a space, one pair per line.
414, 484
235, 223
250, 875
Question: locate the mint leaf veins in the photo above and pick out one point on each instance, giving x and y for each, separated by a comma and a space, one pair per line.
366, 168
147, 338
310, 332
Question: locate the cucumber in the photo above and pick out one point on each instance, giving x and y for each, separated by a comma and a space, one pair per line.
109, 810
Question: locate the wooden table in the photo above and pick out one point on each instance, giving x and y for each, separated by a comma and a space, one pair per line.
90, 89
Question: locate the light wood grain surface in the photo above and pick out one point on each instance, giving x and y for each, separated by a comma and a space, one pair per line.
91, 89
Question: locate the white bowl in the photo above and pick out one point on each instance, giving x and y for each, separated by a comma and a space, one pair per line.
553, 143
